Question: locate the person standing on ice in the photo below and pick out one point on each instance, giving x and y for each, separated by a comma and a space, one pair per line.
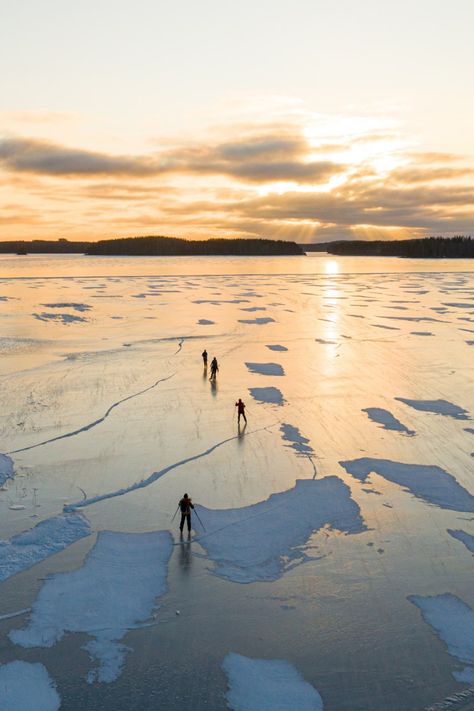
204, 358
185, 506
240, 410
214, 368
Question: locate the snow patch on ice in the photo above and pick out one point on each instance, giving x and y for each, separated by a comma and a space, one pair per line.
27, 687
277, 347
259, 321
453, 622
270, 394
6, 468
267, 685
74, 306
263, 541
386, 419
298, 442
254, 308
50, 536
64, 318
113, 592
430, 483
464, 537
440, 407
265, 368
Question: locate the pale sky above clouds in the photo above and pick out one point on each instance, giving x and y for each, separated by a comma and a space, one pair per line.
306, 119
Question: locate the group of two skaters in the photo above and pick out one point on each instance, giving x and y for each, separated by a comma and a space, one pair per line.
214, 368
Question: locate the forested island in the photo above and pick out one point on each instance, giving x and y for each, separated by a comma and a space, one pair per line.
428, 247
155, 246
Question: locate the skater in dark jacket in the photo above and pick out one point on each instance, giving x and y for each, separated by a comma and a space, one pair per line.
185, 506
240, 410
204, 358
214, 368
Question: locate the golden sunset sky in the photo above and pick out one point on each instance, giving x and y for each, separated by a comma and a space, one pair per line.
306, 119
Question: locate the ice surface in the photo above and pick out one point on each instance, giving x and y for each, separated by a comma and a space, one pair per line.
453, 622
6, 468
464, 537
270, 394
386, 419
430, 483
440, 407
267, 685
265, 368
94, 423
262, 541
48, 537
112, 592
27, 687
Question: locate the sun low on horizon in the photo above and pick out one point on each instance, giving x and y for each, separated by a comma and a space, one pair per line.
288, 120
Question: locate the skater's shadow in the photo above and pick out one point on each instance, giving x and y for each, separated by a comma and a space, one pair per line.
204, 373
213, 382
185, 556
241, 432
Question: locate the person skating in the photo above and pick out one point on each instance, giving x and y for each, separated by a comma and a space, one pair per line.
240, 410
204, 358
214, 368
185, 506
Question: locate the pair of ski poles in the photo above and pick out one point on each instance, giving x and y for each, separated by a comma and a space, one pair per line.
198, 517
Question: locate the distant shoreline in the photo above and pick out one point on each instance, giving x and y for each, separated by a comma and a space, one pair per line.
155, 247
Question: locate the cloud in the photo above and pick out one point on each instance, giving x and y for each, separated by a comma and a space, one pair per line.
31, 156
275, 180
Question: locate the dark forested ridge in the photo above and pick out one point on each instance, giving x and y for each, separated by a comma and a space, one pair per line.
155, 246
429, 247
174, 246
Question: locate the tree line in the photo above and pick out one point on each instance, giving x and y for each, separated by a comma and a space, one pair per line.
155, 246
460, 246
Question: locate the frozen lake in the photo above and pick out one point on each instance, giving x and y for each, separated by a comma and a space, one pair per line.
335, 554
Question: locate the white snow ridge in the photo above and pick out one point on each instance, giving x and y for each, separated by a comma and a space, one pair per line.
267, 685
113, 592
50, 536
6, 468
453, 622
27, 687
262, 541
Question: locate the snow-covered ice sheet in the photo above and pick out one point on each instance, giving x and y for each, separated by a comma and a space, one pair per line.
430, 483
265, 368
112, 592
27, 687
262, 541
267, 685
48, 537
300, 444
386, 419
6, 468
439, 407
270, 394
453, 622
464, 537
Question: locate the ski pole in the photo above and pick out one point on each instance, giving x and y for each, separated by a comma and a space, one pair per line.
175, 514
199, 519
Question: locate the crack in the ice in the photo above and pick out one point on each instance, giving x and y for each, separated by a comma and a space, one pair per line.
154, 476
96, 422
